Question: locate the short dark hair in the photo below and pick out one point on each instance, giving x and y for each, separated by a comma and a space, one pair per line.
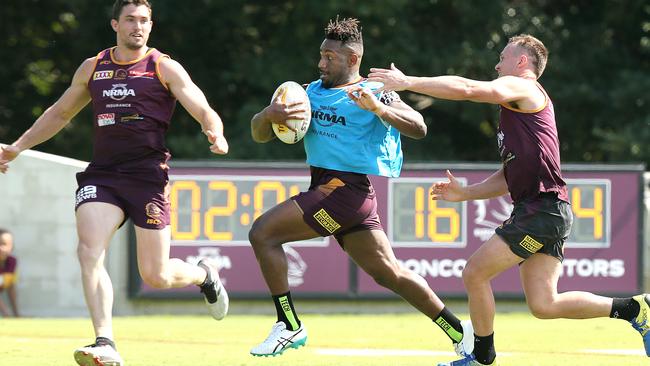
118, 5
346, 30
4, 231
535, 48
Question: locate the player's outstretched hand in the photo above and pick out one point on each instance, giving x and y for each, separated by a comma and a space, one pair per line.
451, 191
7, 154
219, 143
392, 79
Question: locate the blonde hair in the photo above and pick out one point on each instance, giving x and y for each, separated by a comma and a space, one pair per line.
535, 48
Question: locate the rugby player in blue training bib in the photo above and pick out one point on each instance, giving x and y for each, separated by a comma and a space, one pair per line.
354, 131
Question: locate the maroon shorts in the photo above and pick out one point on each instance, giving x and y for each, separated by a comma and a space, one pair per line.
145, 202
339, 203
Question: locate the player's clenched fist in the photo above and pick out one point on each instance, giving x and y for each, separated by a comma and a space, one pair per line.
7, 154
219, 143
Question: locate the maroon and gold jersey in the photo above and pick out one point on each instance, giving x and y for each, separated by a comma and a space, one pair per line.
529, 148
8, 272
132, 109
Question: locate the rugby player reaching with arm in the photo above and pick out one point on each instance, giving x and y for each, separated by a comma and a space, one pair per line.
534, 235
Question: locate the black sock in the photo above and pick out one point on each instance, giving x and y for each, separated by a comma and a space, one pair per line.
286, 311
484, 349
207, 287
103, 341
450, 324
626, 309
208, 276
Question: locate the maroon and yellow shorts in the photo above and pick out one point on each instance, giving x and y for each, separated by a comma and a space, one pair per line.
339, 203
145, 202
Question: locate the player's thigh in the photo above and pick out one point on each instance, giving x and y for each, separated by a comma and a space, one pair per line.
146, 203
152, 249
281, 224
492, 258
539, 276
97, 222
371, 250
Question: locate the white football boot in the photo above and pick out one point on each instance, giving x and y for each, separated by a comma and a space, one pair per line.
218, 307
94, 355
280, 339
465, 347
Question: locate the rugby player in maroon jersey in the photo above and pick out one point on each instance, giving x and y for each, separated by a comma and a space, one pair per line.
133, 90
534, 235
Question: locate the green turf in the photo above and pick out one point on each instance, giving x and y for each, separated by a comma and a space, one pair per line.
196, 341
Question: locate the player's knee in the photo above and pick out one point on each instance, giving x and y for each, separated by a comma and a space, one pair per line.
256, 235
157, 280
471, 276
541, 310
261, 238
89, 254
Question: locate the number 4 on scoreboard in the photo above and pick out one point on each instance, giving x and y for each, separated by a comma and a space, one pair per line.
590, 201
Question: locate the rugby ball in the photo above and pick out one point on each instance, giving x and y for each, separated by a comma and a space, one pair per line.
291, 92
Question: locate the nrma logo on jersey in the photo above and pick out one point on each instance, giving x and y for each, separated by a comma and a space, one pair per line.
327, 118
118, 92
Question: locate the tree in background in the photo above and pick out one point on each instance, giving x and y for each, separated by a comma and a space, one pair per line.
239, 51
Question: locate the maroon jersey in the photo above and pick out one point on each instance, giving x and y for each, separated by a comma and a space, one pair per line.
9, 266
530, 152
132, 109
8, 272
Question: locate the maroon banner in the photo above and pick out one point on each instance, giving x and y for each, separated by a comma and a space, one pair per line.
213, 208
435, 239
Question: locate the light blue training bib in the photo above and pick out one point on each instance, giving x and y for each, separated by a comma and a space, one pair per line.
344, 137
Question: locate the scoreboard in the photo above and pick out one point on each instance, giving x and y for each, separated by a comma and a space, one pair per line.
417, 221
214, 205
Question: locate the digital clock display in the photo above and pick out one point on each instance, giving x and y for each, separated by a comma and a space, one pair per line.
416, 220
214, 208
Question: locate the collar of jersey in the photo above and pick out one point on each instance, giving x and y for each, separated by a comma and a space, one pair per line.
361, 78
129, 62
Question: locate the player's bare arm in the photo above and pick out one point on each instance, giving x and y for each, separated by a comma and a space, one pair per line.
276, 112
506, 89
493, 186
55, 117
193, 100
408, 121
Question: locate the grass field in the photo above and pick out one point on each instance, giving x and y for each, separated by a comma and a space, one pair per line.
342, 340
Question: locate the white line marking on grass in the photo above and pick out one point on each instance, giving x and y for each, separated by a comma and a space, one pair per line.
378, 352
623, 352
375, 352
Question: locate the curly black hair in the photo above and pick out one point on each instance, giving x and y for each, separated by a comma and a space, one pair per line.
346, 30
